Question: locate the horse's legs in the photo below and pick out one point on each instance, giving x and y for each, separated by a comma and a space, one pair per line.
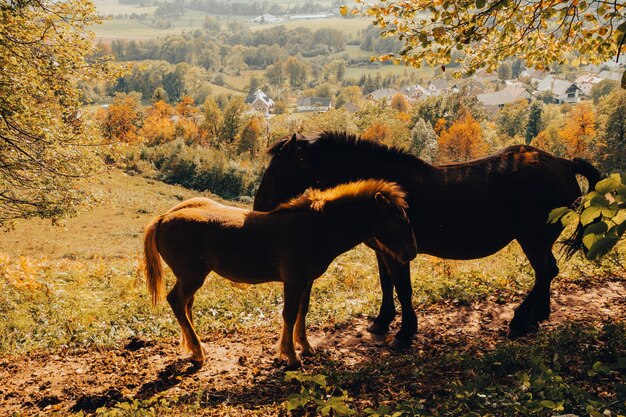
292, 295
300, 328
178, 298
402, 281
190, 317
536, 306
387, 311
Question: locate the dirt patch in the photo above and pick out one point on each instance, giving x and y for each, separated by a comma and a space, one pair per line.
241, 368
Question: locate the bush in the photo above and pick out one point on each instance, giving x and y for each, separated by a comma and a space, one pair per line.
198, 168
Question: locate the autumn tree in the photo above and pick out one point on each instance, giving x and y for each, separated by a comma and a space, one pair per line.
121, 121
297, 72
250, 136
487, 31
45, 144
213, 119
579, 131
158, 127
275, 74
377, 132
399, 102
462, 141
186, 107
232, 119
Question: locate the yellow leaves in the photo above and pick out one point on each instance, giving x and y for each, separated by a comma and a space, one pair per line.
526, 30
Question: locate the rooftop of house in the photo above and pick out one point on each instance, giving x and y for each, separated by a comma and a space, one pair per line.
510, 94
382, 93
260, 95
314, 101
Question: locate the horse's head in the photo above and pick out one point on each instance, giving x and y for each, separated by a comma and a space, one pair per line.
290, 172
393, 232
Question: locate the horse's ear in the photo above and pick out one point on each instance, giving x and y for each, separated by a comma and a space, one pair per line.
382, 200
290, 143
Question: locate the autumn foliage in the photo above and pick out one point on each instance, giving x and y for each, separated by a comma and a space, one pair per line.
122, 120
158, 127
579, 131
377, 132
462, 141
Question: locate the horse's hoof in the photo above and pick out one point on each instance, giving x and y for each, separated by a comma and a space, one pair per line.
378, 329
307, 351
197, 363
293, 365
520, 331
401, 343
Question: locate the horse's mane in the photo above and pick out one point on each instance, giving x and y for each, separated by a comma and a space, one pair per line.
352, 192
335, 143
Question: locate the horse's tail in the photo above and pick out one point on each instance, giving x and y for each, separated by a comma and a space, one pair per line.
575, 242
588, 171
152, 261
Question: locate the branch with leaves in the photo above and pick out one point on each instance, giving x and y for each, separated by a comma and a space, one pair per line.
601, 214
487, 31
45, 144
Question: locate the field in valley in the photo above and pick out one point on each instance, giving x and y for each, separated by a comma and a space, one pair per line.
79, 335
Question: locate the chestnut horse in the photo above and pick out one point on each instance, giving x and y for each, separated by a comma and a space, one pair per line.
458, 211
293, 244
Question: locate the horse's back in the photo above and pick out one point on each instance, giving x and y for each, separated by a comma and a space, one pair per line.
472, 209
205, 210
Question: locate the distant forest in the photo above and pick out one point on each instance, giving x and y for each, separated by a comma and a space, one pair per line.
243, 8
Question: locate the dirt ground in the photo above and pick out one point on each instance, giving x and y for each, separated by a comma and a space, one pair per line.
241, 368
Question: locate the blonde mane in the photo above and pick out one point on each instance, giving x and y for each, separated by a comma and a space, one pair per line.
352, 192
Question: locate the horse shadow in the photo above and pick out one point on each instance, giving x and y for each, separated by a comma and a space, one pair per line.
171, 375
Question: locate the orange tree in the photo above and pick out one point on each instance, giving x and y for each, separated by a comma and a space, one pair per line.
462, 141
579, 131
158, 127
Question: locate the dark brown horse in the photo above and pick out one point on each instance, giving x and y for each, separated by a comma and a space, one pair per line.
293, 244
458, 211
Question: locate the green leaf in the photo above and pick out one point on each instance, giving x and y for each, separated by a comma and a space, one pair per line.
599, 228
480, 4
590, 239
609, 184
601, 247
319, 380
557, 213
295, 401
569, 217
590, 214
599, 200
548, 404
